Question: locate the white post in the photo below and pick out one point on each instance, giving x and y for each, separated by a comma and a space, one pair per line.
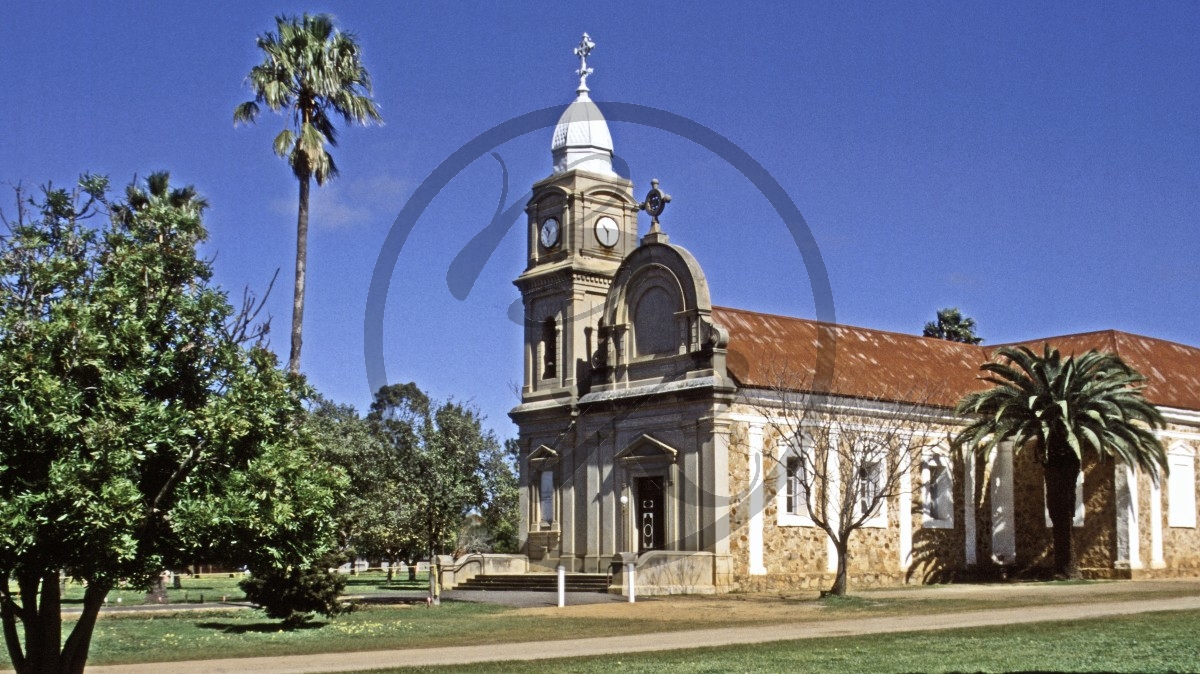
562, 586
630, 572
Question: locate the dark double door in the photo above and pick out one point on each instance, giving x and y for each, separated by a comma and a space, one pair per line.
650, 513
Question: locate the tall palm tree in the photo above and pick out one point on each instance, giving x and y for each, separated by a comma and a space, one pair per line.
1059, 409
314, 71
952, 326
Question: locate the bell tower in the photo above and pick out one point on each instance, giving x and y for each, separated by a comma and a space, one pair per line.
582, 222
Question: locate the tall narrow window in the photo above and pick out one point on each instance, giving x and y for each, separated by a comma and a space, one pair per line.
549, 349
1077, 520
546, 497
937, 492
869, 487
797, 492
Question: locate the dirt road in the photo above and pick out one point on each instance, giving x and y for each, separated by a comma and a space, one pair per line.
538, 650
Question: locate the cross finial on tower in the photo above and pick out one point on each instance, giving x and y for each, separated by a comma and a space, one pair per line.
656, 201
585, 47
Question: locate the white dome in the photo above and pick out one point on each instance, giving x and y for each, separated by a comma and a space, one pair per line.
581, 138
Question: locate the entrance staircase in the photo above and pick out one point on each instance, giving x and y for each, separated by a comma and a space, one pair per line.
537, 582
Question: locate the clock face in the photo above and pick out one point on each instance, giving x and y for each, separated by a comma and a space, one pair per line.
607, 232
549, 233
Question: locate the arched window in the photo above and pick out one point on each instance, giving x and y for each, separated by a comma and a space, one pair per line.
654, 329
549, 349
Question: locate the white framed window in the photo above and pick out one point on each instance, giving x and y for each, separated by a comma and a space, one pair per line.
546, 498
1077, 521
870, 485
1181, 487
791, 494
937, 492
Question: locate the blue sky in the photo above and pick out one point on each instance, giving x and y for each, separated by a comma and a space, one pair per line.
1035, 164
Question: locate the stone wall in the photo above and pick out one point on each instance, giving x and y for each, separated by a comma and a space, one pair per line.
1095, 541
1180, 545
798, 557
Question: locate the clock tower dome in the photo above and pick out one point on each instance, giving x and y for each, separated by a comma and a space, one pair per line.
582, 222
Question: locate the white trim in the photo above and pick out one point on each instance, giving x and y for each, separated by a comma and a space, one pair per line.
833, 472
853, 406
1178, 435
1004, 535
1179, 415
755, 439
1156, 524
1135, 537
1181, 486
968, 486
905, 505
1128, 539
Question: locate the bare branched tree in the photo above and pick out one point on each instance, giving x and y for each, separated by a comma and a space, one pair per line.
244, 326
844, 458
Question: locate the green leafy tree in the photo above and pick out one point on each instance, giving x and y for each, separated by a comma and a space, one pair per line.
373, 517
439, 450
294, 593
952, 326
129, 392
1059, 409
500, 515
313, 72
345, 440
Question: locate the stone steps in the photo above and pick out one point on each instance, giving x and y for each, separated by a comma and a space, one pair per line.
537, 582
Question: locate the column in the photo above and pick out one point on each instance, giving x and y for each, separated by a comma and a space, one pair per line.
1156, 534
1004, 538
755, 438
968, 499
905, 498
1127, 525
833, 474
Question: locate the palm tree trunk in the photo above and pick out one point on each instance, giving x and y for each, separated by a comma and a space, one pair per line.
1061, 477
301, 269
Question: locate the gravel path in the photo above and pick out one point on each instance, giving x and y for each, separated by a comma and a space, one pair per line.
539, 650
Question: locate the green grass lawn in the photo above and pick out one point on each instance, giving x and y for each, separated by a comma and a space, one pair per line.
209, 587
190, 635
1153, 642
131, 637
217, 587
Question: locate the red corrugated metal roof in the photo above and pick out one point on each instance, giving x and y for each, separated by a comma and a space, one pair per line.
1172, 370
768, 351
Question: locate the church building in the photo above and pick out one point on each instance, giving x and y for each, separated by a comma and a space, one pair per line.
659, 430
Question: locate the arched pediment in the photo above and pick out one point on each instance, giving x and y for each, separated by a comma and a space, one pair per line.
646, 447
604, 192
1181, 449
659, 306
553, 193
